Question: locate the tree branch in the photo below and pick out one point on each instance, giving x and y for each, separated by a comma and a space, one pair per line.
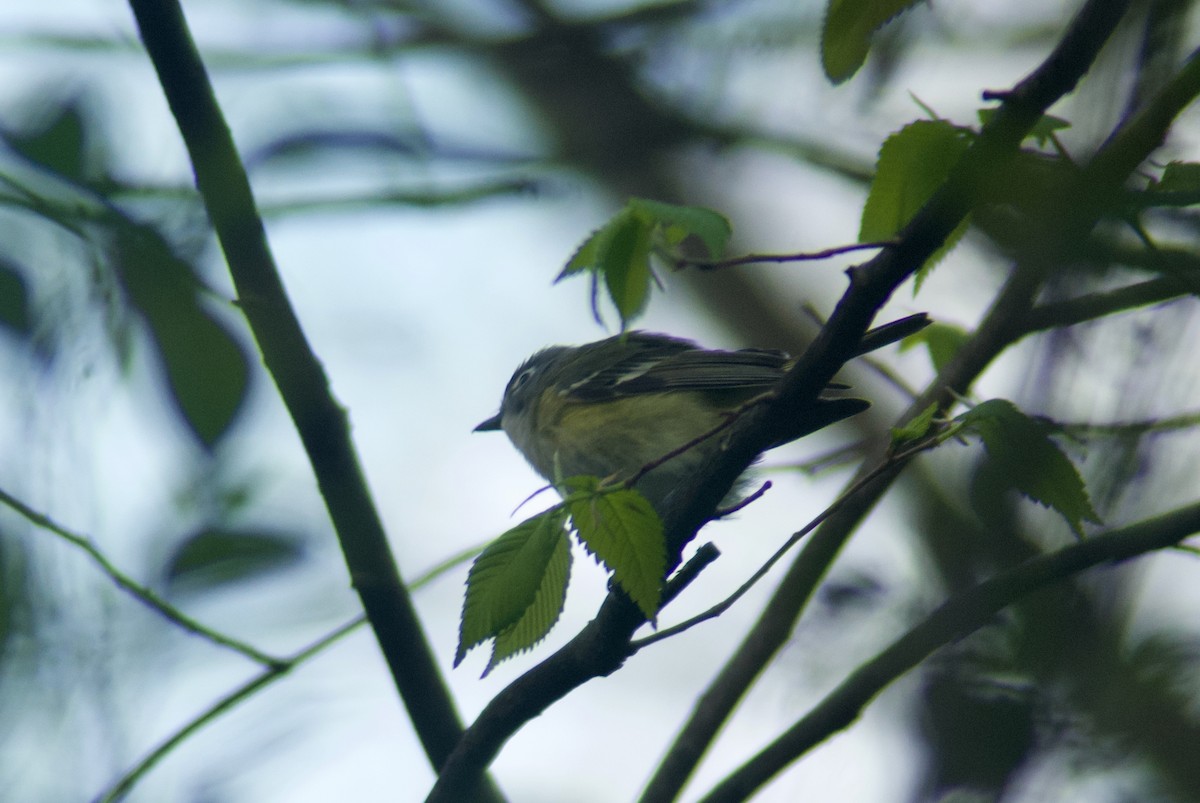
320, 421
141, 593
954, 619
603, 644
1082, 309
122, 786
1056, 76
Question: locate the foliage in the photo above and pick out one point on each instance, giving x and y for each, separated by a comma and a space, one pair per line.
913, 163
1021, 456
518, 584
849, 27
110, 274
623, 249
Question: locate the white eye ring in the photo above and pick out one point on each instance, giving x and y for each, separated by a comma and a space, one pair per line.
523, 377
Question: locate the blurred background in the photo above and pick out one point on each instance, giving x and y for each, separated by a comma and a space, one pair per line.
425, 169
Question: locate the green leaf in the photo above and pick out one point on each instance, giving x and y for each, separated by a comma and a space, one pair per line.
621, 250
626, 267
676, 224
14, 299
621, 529
1022, 456
1042, 130
915, 429
60, 144
507, 577
216, 556
913, 164
1180, 177
542, 614
846, 34
207, 370
942, 340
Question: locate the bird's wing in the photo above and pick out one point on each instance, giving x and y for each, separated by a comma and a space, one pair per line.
657, 363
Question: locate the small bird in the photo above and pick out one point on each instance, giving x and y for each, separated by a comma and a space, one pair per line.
611, 408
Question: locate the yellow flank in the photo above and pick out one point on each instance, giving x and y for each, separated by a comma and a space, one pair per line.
594, 438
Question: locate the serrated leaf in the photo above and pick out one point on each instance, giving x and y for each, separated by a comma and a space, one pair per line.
505, 579
626, 267
207, 370
216, 556
541, 616
1180, 177
677, 223
587, 255
1022, 455
846, 34
913, 163
1042, 130
622, 530
621, 250
942, 340
916, 428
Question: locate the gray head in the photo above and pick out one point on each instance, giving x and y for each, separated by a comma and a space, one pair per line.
523, 389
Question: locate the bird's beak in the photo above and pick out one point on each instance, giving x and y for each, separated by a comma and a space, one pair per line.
491, 425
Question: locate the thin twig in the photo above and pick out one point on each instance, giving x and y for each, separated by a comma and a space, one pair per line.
803, 256
683, 578
1119, 429
957, 617
830, 459
126, 782
890, 462
269, 675
135, 589
1085, 308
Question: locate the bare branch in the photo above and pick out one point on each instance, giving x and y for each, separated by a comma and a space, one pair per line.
810, 256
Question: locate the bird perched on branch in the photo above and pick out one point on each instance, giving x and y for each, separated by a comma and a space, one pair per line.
639, 405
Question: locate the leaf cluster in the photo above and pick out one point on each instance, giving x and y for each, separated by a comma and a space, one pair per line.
517, 586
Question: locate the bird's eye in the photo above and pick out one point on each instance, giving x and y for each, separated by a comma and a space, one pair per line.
522, 378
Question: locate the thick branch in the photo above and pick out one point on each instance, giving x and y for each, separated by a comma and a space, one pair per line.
301, 380
954, 619
1056, 76
601, 647
1004, 323
779, 617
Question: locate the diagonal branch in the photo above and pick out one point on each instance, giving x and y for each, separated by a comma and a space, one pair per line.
954, 619
604, 643
1056, 76
1003, 325
122, 786
320, 421
143, 594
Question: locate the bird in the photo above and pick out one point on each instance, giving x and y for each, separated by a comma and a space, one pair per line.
616, 408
